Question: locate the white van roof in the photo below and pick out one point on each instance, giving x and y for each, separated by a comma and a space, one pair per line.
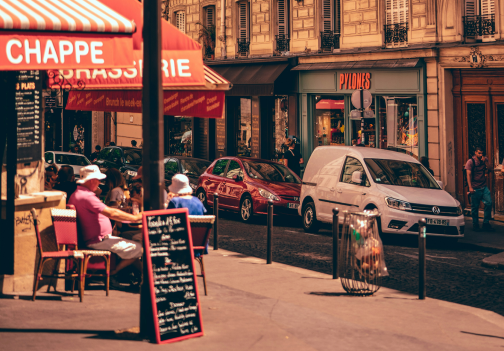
368, 152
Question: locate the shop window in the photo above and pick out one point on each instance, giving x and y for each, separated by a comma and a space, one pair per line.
331, 24
396, 23
329, 121
180, 135
398, 118
180, 21
234, 169
219, 168
479, 19
281, 125
364, 130
353, 165
244, 132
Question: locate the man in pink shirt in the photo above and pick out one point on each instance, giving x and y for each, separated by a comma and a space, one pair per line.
94, 217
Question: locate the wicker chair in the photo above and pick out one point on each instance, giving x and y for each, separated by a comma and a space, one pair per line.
65, 226
201, 226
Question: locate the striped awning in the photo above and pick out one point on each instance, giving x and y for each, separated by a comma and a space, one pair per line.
62, 16
213, 77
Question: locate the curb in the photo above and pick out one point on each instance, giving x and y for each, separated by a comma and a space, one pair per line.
494, 261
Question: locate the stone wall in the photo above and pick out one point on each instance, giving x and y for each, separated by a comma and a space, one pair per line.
360, 24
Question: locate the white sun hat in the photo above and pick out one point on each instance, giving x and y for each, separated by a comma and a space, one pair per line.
90, 172
180, 185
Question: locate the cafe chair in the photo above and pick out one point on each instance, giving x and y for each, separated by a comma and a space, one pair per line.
201, 226
66, 254
65, 227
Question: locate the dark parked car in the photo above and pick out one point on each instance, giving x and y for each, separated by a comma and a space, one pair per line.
125, 159
246, 184
191, 167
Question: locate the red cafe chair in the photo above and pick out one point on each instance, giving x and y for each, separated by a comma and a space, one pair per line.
201, 226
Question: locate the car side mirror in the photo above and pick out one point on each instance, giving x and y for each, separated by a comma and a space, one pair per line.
237, 178
357, 177
440, 183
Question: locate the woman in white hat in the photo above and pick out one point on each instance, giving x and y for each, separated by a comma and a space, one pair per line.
181, 196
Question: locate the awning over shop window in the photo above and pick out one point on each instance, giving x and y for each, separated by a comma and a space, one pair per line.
401, 63
252, 79
61, 34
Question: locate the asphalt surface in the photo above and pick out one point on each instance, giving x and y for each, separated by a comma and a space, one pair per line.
454, 270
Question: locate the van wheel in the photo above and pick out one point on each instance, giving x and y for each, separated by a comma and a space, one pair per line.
310, 223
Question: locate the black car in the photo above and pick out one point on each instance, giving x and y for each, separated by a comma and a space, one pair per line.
125, 159
191, 167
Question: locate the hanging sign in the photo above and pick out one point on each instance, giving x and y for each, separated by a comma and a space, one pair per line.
174, 294
28, 109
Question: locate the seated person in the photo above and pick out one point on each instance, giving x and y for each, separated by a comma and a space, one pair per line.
66, 181
93, 217
181, 196
115, 183
51, 174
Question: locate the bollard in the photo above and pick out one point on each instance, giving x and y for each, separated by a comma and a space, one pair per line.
335, 243
269, 257
422, 268
216, 223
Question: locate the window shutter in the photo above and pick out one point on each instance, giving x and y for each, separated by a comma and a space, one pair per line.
210, 16
283, 18
327, 16
487, 7
337, 17
470, 8
180, 21
396, 11
243, 20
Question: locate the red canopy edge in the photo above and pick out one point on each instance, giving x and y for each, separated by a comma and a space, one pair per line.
197, 103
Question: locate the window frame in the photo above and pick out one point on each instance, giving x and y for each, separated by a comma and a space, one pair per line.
366, 184
239, 165
225, 168
177, 14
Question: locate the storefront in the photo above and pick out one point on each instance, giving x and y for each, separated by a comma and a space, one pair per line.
260, 108
394, 120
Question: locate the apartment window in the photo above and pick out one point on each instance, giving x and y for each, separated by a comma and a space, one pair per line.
207, 33
331, 24
243, 38
209, 18
180, 21
396, 22
282, 26
479, 19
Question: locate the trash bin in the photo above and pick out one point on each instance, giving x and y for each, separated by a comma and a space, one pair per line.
362, 264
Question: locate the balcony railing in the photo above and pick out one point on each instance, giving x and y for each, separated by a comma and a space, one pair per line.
329, 41
478, 26
243, 46
282, 43
396, 34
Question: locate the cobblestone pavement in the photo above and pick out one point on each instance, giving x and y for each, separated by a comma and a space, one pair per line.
454, 271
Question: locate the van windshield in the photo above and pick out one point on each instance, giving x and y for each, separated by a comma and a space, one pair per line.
401, 173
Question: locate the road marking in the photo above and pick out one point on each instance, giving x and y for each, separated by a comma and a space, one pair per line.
295, 231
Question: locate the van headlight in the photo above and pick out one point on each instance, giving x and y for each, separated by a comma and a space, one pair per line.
397, 204
266, 194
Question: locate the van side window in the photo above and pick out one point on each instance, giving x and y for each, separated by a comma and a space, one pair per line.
353, 165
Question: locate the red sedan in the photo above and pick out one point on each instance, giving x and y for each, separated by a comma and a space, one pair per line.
246, 184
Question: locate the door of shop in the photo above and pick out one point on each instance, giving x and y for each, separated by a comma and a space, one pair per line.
479, 121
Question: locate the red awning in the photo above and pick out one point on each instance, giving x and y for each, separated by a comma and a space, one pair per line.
327, 104
60, 34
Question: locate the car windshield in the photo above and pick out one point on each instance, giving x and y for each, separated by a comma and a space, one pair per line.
75, 160
194, 167
272, 172
133, 157
401, 173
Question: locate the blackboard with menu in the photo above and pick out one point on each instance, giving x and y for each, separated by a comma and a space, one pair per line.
28, 110
172, 278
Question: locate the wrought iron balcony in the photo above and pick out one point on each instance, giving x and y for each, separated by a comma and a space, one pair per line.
478, 26
282, 43
396, 34
243, 46
329, 41
209, 52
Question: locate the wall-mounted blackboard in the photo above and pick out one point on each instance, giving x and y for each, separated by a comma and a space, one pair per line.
172, 278
29, 110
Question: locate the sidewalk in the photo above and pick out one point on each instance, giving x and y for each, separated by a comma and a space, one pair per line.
254, 306
493, 240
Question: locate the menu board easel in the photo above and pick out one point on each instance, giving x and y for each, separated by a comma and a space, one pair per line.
172, 279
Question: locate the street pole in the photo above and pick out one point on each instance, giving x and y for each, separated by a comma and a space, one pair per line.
422, 268
152, 134
335, 238
269, 255
362, 115
216, 223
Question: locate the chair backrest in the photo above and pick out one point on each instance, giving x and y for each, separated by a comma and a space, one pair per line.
65, 226
37, 231
201, 226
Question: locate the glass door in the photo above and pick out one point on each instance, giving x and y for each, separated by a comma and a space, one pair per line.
329, 121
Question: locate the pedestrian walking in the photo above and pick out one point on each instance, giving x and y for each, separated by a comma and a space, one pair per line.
293, 158
95, 154
477, 168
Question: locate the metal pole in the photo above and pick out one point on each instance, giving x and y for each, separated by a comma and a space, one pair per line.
362, 115
422, 268
153, 141
269, 257
216, 223
335, 240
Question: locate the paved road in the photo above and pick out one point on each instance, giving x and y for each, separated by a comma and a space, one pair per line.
454, 272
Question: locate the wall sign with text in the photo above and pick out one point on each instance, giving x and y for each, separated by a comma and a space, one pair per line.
352, 81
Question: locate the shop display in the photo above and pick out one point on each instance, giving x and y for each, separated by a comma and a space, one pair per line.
180, 136
329, 122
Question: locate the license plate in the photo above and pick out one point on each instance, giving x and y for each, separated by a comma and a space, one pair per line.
435, 221
292, 205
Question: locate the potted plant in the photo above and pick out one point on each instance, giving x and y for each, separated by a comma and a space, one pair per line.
206, 36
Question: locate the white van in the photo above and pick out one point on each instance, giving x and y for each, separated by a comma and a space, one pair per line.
359, 178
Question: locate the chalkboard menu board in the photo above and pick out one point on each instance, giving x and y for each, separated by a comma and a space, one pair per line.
220, 133
28, 109
172, 278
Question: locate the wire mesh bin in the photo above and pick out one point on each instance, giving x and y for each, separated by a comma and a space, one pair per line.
362, 264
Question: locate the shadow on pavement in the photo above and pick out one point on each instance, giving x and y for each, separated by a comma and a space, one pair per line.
94, 334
